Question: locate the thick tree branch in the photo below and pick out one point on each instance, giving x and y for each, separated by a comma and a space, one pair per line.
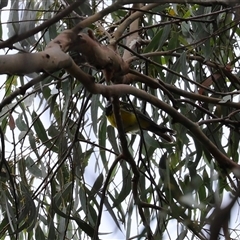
118, 90
205, 2
54, 58
49, 60
101, 57
122, 89
134, 76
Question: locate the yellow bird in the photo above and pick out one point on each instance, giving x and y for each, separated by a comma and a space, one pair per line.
134, 119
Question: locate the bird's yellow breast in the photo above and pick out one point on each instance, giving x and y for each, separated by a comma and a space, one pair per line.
129, 121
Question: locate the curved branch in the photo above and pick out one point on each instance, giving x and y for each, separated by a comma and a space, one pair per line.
118, 90
122, 27
97, 16
101, 57
190, 57
152, 82
132, 39
224, 2
42, 26
21, 90
195, 96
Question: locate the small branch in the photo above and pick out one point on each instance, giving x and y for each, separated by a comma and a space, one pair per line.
203, 2
121, 28
225, 119
133, 38
46, 24
200, 59
134, 76
128, 157
104, 190
4, 162
121, 89
202, 109
21, 90
149, 81
202, 18
97, 16
218, 120
202, 98
221, 218
146, 56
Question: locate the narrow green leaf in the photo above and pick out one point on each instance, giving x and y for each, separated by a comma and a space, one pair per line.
112, 138
154, 44
182, 235
33, 168
98, 184
183, 64
89, 230
110, 211
63, 194
51, 232
164, 36
39, 128
102, 139
94, 112
4, 225
41, 132
20, 123
126, 185
3, 4
33, 143
82, 159
39, 233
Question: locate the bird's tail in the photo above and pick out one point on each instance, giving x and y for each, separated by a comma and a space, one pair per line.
163, 132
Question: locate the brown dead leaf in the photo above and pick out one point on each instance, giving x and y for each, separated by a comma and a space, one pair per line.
11, 122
